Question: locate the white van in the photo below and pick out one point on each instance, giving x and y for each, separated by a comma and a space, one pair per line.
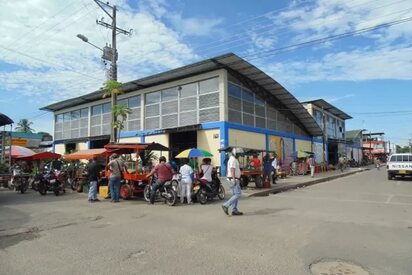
399, 165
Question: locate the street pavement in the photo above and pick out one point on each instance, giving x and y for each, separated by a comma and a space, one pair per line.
362, 219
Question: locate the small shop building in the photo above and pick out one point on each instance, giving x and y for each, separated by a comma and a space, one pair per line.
215, 103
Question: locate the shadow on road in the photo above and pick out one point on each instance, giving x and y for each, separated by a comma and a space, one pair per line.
267, 211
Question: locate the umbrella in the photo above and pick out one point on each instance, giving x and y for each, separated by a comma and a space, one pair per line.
193, 153
5, 120
19, 151
41, 156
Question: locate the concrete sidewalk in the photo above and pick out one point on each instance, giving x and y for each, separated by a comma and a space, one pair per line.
293, 182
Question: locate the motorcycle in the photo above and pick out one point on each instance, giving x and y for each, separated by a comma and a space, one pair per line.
52, 181
18, 182
166, 192
204, 191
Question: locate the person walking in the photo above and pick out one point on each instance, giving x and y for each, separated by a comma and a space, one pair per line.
116, 167
186, 173
93, 172
233, 178
311, 164
275, 167
267, 168
164, 173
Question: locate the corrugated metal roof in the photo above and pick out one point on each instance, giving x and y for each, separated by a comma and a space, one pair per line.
329, 108
228, 61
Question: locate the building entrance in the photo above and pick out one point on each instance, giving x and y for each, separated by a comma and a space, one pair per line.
100, 143
181, 141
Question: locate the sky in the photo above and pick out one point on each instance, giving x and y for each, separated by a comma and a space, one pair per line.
367, 72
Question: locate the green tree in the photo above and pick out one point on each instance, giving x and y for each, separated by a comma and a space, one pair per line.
112, 88
120, 112
24, 126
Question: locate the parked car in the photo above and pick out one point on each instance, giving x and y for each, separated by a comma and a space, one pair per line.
399, 165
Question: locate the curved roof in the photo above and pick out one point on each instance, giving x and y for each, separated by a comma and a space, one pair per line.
262, 84
5, 120
329, 108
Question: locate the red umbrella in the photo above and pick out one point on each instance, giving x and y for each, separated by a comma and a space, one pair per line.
19, 151
41, 156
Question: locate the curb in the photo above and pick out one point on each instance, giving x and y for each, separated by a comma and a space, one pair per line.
302, 184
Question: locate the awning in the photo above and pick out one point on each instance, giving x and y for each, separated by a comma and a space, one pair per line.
41, 156
114, 147
86, 154
5, 120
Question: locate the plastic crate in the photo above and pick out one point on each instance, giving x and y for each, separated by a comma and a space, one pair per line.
103, 191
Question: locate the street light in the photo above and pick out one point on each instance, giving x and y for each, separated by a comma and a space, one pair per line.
85, 39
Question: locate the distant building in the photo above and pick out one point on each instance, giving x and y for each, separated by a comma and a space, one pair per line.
374, 145
332, 121
354, 144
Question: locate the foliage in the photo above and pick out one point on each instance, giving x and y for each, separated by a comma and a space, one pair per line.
148, 157
404, 149
24, 126
112, 87
120, 112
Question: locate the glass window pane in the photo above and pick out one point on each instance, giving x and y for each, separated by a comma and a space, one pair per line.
59, 118
134, 102
75, 114
259, 101
122, 102
66, 117
84, 112
188, 90
234, 90
107, 108
152, 98
96, 110
169, 94
210, 85
247, 96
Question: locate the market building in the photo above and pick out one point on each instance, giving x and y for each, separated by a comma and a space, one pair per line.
215, 103
354, 145
332, 121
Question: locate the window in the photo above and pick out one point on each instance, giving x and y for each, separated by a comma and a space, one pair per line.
247, 96
122, 102
66, 117
107, 108
188, 90
84, 112
96, 110
169, 94
152, 98
75, 114
234, 90
59, 118
134, 101
209, 85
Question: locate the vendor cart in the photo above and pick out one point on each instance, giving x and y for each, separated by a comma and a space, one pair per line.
77, 174
135, 180
247, 171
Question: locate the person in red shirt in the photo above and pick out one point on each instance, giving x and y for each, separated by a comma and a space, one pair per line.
255, 162
164, 172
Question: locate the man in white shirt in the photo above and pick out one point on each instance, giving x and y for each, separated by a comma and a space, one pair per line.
233, 177
186, 183
275, 169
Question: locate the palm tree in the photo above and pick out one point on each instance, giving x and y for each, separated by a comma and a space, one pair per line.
113, 89
120, 112
24, 126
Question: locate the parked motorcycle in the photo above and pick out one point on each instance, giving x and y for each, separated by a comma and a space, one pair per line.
18, 182
52, 181
204, 191
166, 192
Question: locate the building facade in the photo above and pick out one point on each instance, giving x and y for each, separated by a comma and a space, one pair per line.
215, 103
332, 121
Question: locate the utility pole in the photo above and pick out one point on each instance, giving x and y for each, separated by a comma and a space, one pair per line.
111, 53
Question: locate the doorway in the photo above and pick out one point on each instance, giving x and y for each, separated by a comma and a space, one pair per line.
181, 141
100, 143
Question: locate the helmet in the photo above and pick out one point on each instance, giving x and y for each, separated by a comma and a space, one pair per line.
162, 158
114, 155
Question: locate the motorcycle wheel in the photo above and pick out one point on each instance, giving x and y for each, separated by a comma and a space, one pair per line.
78, 186
72, 183
56, 188
23, 186
42, 189
201, 197
221, 193
146, 193
175, 185
171, 197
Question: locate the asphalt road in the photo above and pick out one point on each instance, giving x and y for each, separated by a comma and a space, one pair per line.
363, 219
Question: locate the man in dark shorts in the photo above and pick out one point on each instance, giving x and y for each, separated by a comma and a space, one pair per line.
164, 172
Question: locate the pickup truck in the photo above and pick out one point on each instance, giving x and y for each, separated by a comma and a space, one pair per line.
399, 165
